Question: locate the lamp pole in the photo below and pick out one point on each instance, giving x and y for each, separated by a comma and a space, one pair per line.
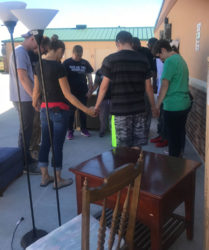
34, 234
29, 18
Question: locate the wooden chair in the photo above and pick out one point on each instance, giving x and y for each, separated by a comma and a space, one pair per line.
127, 175
122, 185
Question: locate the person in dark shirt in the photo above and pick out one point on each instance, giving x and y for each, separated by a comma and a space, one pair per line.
136, 45
152, 59
130, 75
104, 110
78, 71
159, 140
58, 95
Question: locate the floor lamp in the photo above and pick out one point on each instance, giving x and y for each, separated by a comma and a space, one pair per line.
29, 18
10, 22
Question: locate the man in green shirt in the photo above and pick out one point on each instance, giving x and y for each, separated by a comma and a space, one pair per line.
174, 94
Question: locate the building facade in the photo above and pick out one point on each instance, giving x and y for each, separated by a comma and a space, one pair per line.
97, 43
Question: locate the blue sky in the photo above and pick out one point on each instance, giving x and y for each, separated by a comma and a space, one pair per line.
94, 13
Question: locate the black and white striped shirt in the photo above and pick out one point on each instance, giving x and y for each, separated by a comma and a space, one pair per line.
128, 70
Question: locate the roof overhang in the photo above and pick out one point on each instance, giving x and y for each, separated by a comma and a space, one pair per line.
166, 7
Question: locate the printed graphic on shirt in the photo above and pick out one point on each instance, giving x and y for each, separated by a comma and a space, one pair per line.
78, 69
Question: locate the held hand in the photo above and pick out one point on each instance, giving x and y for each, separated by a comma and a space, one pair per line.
155, 112
37, 105
37, 108
91, 112
96, 111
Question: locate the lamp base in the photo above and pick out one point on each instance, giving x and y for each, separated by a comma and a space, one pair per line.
31, 237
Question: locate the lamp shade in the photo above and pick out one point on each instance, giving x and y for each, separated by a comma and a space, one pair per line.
5, 10
35, 19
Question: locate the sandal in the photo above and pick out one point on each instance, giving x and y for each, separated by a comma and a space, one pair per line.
47, 181
64, 183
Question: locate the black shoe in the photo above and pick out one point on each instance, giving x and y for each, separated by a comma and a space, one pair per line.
33, 169
101, 134
32, 161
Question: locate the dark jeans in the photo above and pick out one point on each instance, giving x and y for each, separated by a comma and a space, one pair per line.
104, 113
161, 130
148, 113
36, 135
59, 121
27, 115
82, 115
175, 122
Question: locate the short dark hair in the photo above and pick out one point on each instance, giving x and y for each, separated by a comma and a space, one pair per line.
136, 44
161, 44
151, 42
124, 37
78, 50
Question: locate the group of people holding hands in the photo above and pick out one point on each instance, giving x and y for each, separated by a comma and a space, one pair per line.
125, 86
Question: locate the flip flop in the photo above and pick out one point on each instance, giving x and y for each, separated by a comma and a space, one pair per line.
64, 183
47, 181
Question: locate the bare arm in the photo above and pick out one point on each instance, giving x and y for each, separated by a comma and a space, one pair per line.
95, 86
163, 91
72, 99
90, 81
36, 94
25, 81
102, 91
150, 94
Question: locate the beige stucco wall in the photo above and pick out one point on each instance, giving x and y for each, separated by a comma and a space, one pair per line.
94, 52
184, 17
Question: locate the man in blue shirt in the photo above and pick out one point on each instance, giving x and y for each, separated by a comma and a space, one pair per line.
25, 76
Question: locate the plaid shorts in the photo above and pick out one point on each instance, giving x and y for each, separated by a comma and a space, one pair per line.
129, 130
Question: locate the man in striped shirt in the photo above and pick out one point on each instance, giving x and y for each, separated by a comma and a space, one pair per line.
129, 72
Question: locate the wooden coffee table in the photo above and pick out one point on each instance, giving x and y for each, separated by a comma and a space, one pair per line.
166, 183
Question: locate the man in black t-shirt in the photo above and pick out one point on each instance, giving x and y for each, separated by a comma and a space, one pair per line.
136, 45
130, 75
78, 72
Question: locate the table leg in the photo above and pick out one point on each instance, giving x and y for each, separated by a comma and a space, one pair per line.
156, 238
189, 208
79, 181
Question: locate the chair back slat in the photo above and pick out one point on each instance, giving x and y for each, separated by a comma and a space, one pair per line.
132, 213
85, 216
102, 228
113, 228
123, 217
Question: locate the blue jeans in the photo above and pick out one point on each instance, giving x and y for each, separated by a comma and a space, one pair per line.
59, 123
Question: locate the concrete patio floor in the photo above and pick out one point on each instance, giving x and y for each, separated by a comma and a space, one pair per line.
15, 203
